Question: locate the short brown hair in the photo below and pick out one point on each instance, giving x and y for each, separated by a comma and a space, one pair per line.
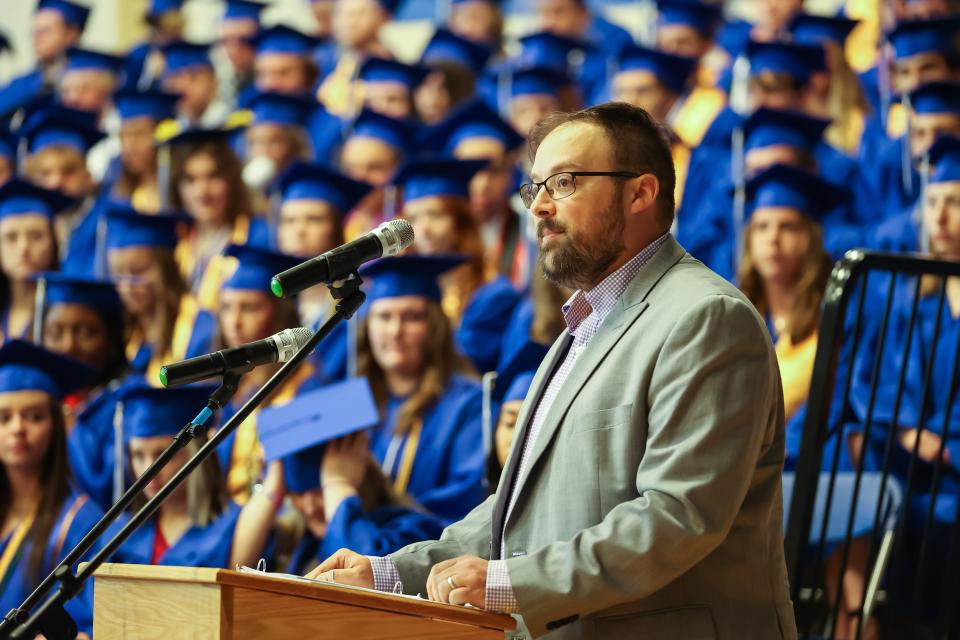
640, 144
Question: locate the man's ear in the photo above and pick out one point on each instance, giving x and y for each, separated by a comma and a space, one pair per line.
643, 192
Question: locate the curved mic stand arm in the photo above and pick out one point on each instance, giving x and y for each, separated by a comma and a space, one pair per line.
350, 298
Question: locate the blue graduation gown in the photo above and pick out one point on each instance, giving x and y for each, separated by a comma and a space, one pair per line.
90, 447
885, 178
484, 322
378, 533
208, 546
447, 474
86, 251
20, 585
20, 92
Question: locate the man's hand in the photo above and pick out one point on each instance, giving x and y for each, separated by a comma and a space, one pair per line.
348, 567
460, 580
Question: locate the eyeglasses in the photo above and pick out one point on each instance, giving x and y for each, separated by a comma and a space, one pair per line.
563, 184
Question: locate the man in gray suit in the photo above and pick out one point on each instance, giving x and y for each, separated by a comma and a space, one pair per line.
642, 495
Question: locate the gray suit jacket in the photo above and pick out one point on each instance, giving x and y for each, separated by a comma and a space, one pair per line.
651, 505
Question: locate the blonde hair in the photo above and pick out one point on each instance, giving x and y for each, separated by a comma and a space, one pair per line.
441, 362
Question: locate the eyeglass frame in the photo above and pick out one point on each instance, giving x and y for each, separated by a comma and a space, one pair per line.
574, 175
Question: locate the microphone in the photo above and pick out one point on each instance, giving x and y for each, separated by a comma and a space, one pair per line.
386, 240
279, 347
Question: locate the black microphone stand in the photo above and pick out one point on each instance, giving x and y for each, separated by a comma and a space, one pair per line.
49, 618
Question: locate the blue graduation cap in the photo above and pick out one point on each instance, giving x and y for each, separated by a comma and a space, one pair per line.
446, 46
769, 127
381, 70
298, 430
256, 267
913, 37
437, 177
816, 29
396, 133
73, 13
158, 8
701, 17
199, 135
396, 276
27, 367
151, 411
797, 60
945, 158
127, 227
516, 368
243, 10
546, 49
19, 197
278, 108
99, 295
537, 81
786, 186
673, 72
283, 39
180, 56
61, 126
733, 36
151, 103
303, 181
473, 119
87, 59
936, 97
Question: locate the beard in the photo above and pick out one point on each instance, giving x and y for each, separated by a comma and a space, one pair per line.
579, 261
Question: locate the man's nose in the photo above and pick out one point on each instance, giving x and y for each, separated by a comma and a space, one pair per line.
543, 205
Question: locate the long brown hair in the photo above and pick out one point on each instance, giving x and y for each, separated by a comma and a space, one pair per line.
809, 289
441, 362
228, 167
55, 482
206, 488
171, 291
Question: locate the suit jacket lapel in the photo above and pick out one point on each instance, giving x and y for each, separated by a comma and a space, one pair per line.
508, 478
629, 307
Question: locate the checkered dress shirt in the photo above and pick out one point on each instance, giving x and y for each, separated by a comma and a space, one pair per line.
583, 314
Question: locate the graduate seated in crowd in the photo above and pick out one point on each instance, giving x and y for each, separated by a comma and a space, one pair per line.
339, 497
42, 515
435, 202
206, 183
314, 203
135, 175
275, 138
373, 150
429, 441
920, 416
188, 72
479, 21
197, 525
238, 30
28, 246
58, 141
165, 323
454, 63
249, 312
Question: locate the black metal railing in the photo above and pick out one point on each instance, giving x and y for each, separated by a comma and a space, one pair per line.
893, 522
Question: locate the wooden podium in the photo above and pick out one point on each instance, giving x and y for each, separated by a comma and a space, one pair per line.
140, 601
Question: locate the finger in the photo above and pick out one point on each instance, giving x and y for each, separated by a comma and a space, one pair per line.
466, 595
337, 561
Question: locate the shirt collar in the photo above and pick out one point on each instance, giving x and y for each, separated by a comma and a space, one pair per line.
603, 298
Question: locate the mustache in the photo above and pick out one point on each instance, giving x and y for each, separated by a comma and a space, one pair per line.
549, 224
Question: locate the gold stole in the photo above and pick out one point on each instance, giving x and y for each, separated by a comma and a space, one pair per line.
16, 540
681, 163
402, 480
796, 369
213, 275
697, 113
340, 93
246, 458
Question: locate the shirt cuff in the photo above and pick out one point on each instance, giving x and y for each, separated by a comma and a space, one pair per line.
499, 592
385, 574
